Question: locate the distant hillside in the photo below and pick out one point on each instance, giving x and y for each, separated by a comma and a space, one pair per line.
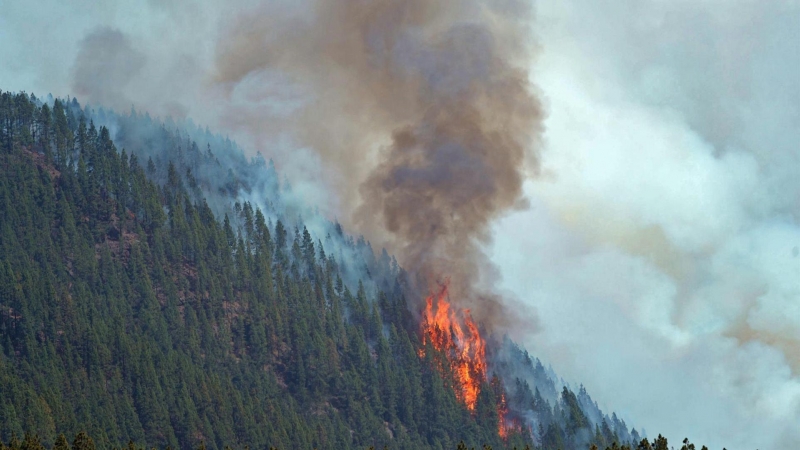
159, 287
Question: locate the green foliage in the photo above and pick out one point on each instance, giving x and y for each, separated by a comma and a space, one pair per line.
148, 304
128, 309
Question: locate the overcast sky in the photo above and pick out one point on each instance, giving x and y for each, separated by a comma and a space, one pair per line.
661, 250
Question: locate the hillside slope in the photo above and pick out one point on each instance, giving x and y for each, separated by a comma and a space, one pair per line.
172, 297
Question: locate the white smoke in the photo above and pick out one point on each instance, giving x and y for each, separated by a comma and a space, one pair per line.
661, 250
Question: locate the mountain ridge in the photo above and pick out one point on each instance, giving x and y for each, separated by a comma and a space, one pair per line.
149, 300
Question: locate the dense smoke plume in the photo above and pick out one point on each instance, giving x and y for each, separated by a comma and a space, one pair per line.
425, 109
660, 249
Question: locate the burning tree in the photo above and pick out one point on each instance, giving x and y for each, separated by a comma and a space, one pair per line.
455, 336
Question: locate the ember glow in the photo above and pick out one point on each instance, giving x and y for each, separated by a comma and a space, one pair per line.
456, 336
502, 413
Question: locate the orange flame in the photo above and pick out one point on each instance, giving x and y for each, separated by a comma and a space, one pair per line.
506, 425
462, 345
464, 350
502, 412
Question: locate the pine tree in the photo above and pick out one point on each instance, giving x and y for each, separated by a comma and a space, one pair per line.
82, 441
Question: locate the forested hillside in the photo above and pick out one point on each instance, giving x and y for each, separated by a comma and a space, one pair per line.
174, 293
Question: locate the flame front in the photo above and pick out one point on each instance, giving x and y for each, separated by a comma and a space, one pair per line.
461, 344
464, 350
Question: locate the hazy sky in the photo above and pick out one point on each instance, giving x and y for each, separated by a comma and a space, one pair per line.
661, 250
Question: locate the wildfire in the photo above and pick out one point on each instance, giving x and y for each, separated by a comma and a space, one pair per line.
502, 412
506, 425
462, 345
460, 341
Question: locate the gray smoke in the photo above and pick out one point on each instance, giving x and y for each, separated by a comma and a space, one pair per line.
659, 251
104, 66
423, 107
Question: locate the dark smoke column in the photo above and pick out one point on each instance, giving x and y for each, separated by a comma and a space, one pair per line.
434, 96
460, 162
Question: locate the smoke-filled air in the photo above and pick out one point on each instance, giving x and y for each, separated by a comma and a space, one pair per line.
423, 108
521, 202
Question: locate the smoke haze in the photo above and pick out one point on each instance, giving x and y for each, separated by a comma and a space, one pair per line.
663, 233
103, 67
660, 249
419, 105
